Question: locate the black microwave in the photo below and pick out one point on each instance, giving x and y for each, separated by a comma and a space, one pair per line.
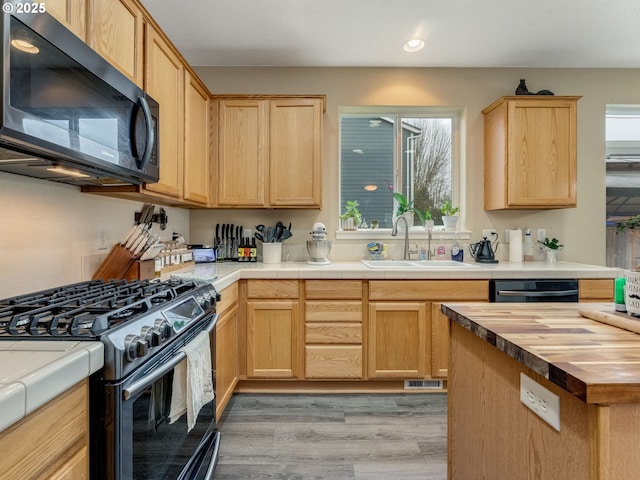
68, 115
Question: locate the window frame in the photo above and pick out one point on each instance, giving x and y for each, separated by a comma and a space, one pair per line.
457, 116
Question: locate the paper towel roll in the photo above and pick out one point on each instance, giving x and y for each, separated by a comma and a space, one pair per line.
515, 246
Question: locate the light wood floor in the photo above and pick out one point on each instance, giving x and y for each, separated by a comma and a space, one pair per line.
326, 437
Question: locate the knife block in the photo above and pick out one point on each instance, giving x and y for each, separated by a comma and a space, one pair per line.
116, 265
141, 270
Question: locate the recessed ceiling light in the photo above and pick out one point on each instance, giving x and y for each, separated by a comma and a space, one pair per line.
358, 150
370, 188
375, 123
414, 45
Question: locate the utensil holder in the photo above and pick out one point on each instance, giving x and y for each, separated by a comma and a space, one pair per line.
271, 253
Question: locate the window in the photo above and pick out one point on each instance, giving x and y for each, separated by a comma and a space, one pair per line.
413, 151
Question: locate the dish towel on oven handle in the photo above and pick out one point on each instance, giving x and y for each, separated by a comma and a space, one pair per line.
192, 381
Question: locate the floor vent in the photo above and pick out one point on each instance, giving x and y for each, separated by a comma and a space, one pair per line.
422, 384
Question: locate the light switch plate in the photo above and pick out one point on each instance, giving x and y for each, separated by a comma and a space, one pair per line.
541, 401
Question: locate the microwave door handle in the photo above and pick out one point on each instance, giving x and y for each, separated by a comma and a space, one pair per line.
148, 120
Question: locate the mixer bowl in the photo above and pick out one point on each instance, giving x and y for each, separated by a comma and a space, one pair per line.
318, 250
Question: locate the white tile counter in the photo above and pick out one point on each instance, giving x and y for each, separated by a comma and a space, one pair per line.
225, 273
34, 372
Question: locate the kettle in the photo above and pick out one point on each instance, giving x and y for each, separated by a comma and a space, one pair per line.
484, 251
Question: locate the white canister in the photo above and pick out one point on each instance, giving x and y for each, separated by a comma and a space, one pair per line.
632, 292
271, 252
515, 246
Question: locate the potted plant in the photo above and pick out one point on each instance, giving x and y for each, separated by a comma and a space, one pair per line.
405, 207
551, 248
351, 218
449, 217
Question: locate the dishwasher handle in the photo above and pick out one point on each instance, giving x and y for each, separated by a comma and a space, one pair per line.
537, 293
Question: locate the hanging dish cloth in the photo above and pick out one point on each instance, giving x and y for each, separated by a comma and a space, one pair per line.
192, 381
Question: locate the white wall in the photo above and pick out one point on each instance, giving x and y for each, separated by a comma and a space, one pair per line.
581, 230
47, 231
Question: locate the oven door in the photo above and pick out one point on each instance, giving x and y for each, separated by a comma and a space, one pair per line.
141, 444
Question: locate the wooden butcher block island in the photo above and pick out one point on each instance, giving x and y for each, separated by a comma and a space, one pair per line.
593, 369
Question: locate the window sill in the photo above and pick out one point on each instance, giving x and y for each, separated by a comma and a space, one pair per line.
414, 233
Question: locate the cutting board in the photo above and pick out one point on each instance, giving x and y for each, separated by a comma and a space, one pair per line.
616, 319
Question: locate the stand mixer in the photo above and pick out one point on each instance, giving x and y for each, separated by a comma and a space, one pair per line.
319, 247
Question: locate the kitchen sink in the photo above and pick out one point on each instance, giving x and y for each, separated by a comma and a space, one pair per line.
417, 264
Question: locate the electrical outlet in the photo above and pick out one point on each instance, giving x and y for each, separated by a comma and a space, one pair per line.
102, 238
540, 401
542, 234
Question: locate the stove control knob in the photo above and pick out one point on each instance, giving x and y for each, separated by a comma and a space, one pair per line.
151, 335
164, 328
135, 347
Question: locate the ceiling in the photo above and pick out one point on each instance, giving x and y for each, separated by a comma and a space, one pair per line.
371, 33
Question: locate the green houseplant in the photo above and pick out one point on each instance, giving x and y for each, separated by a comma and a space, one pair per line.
449, 217
405, 206
551, 248
351, 218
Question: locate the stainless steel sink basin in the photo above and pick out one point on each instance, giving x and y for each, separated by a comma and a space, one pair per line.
417, 264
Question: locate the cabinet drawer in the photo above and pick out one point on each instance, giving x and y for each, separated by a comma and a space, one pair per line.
272, 289
596, 290
333, 333
228, 298
332, 289
338, 361
425, 290
333, 311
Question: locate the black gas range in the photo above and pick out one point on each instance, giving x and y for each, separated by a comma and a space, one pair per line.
145, 327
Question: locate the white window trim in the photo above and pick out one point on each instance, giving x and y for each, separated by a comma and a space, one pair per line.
458, 173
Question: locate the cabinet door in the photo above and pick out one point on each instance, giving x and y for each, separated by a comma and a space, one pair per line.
226, 358
439, 342
542, 153
76, 468
71, 13
164, 82
397, 340
295, 152
116, 32
530, 153
272, 339
197, 174
242, 152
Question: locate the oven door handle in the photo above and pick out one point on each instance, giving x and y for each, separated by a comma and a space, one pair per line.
140, 385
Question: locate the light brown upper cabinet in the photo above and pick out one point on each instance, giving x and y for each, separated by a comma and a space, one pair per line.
197, 171
530, 158
116, 31
269, 150
71, 13
165, 83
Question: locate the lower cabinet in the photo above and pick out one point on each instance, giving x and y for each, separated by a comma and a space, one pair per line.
397, 340
273, 339
226, 352
52, 442
333, 346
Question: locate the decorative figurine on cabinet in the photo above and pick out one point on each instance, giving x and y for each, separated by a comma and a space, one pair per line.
523, 90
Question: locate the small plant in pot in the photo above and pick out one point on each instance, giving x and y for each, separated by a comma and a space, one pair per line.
449, 217
404, 206
351, 218
551, 248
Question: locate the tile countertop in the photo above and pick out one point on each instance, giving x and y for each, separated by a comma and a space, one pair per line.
225, 273
35, 372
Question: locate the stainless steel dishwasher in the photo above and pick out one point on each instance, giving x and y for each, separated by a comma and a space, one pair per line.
534, 290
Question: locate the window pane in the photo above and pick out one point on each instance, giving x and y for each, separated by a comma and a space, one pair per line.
367, 165
373, 165
427, 163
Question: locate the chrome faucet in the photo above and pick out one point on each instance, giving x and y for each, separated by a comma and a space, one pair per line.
394, 232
